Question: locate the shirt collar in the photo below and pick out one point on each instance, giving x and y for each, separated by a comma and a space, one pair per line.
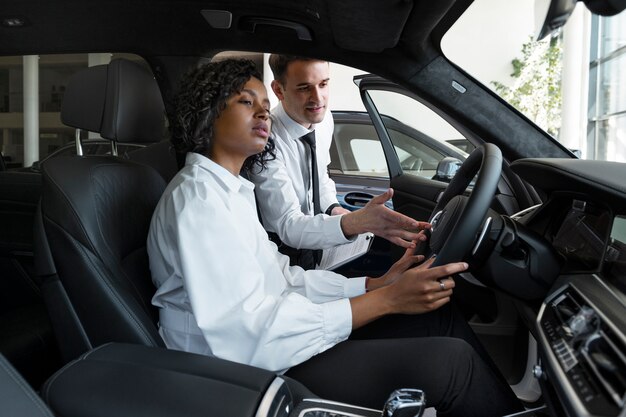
231, 182
294, 129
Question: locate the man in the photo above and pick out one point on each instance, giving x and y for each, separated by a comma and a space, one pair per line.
285, 190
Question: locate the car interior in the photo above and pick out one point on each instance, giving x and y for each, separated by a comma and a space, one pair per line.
541, 229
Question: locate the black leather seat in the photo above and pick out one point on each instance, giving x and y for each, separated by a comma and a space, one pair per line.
16, 396
160, 156
96, 211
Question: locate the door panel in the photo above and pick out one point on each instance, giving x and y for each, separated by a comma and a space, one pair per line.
415, 196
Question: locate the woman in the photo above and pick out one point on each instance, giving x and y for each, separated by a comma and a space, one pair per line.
223, 288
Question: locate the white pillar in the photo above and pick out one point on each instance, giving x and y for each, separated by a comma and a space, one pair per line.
268, 77
98, 59
31, 109
5, 141
575, 80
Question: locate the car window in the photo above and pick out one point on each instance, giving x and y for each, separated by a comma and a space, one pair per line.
416, 157
418, 135
369, 156
412, 113
357, 150
360, 151
570, 83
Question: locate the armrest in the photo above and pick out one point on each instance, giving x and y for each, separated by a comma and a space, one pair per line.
129, 380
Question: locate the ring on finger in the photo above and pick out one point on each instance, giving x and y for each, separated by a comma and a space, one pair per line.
442, 285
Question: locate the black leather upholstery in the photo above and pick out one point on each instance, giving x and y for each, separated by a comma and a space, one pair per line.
121, 101
96, 212
131, 380
17, 398
160, 156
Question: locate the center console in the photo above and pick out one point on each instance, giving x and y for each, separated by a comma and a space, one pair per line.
129, 380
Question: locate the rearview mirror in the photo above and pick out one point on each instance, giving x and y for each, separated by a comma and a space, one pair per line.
551, 15
605, 7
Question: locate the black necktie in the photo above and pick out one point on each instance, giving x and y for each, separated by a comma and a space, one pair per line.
309, 139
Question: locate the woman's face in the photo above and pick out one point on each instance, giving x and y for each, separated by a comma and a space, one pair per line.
243, 127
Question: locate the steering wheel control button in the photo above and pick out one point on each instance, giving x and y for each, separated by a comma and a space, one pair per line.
435, 220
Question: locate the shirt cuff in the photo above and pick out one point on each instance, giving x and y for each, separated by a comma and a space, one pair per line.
334, 230
354, 287
337, 322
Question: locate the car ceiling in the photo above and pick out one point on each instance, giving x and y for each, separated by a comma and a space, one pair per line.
396, 39
350, 29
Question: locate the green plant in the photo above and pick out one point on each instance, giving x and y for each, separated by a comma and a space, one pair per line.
536, 91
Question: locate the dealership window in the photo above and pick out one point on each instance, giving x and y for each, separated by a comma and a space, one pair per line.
607, 85
54, 72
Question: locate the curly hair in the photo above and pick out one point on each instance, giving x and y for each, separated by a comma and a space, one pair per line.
201, 98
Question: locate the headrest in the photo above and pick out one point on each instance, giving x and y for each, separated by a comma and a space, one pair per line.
121, 101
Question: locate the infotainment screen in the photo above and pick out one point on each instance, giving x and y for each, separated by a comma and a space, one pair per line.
615, 257
582, 237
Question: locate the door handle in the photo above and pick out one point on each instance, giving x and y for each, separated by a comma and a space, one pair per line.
358, 199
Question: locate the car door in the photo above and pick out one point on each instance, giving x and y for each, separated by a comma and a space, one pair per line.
358, 164
378, 149
417, 188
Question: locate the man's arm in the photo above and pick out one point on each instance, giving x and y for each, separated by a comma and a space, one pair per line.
374, 217
281, 211
377, 218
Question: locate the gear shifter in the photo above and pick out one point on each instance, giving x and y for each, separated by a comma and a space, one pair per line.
405, 402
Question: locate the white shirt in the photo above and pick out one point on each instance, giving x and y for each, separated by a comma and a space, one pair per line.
223, 288
283, 189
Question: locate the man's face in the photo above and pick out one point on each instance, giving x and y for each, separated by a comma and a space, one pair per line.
305, 91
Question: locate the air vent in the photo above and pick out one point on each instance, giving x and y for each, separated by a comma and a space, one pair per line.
590, 352
603, 354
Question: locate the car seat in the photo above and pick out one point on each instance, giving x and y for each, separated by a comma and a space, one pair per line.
95, 213
16, 396
160, 156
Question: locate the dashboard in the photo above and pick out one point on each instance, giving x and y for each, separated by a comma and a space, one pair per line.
580, 325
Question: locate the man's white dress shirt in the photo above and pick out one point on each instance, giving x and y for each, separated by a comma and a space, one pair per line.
223, 288
283, 189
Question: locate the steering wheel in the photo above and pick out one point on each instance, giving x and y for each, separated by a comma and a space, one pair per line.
457, 219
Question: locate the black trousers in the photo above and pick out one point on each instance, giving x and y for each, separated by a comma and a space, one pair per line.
436, 352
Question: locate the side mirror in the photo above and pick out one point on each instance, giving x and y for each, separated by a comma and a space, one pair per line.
447, 168
36, 166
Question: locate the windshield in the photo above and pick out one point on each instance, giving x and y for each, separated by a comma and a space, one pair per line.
572, 84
